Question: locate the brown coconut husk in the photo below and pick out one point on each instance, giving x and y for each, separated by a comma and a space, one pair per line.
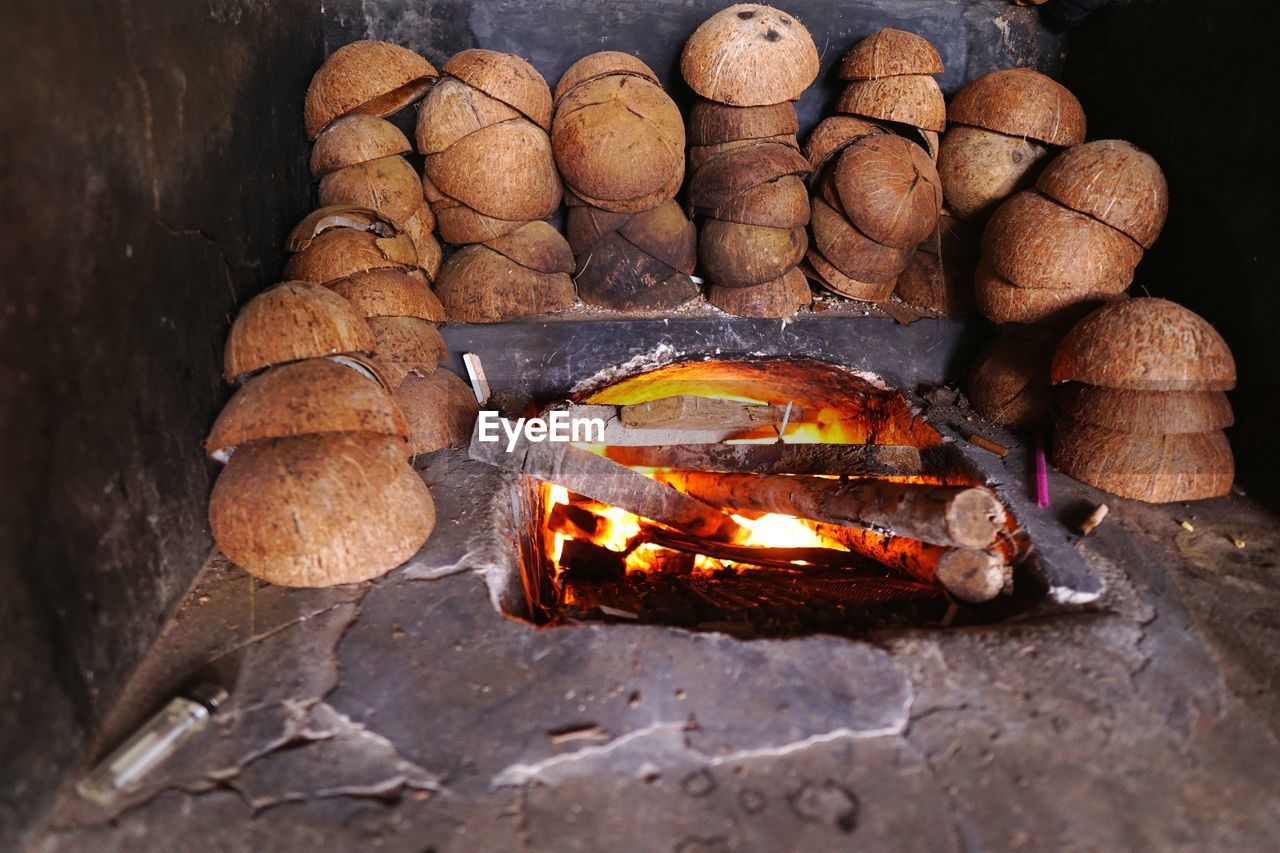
940, 275
832, 135
440, 409
1003, 302
1009, 381
320, 510
408, 341
711, 123
505, 171
616, 274
913, 99
749, 55
479, 285
631, 205
1034, 242
308, 397
370, 77
355, 139
604, 63
1144, 412
1145, 344
390, 293
737, 255
728, 176
852, 252
537, 246
340, 252
388, 185
506, 77
890, 190
289, 322
700, 155
781, 203
584, 225
452, 110
665, 234
1114, 182
1020, 102
980, 168
618, 137
419, 227
460, 224
337, 216
1151, 468
890, 53
827, 275
782, 297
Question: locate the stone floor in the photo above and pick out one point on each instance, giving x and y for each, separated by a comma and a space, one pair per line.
409, 714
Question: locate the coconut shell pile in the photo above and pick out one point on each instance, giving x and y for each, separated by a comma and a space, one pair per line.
748, 63
876, 192
619, 142
1052, 254
490, 180
1138, 403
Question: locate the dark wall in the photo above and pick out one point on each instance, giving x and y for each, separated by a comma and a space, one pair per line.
1195, 83
152, 159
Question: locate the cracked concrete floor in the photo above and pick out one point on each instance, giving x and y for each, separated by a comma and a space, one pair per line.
408, 714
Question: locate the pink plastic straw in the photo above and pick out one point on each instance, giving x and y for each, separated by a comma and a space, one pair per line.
1042, 473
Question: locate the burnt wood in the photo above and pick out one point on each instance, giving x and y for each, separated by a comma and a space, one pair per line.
855, 460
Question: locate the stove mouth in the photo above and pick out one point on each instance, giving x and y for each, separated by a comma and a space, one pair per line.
820, 496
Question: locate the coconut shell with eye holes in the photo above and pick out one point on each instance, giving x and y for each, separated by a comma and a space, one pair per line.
980, 168
890, 53
440, 409
507, 77
370, 77
1020, 102
776, 299
750, 55
479, 285
355, 139
890, 190
913, 99
505, 171
1112, 181
452, 110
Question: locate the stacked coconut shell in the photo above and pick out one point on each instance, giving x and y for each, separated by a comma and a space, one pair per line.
748, 63
490, 179
1052, 254
1138, 408
619, 143
876, 192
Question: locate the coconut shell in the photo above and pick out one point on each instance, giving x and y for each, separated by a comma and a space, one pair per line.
1112, 181
584, 225
953, 237
537, 246
1145, 344
750, 55
618, 137
505, 171
355, 139
913, 99
289, 322
615, 274
479, 285
781, 203
852, 252
1151, 468
460, 224
700, 155
1035, 242
1009, 382
337, 216
441, 411
390, 293
388, 185
370, 77
419, 227
341, 252
890, 189
665, 234
890, 53
308, 397
938, 283
1020, 102
728, 176
711, 123
737, 255
407, 340
320, 510
604, 63
1144, 412
1002, 302
452, 110
782, 297
631, 205
980, 168
832, 135
506, 77
834, 280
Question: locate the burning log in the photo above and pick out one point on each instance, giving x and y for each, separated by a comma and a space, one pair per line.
691, 412
754, 555
963, 517
855, 460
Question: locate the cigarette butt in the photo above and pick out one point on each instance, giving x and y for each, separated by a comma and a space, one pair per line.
1094, 519
1187, 526
1237, 541
989, 445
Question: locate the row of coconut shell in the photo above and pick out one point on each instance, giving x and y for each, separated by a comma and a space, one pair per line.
1138, 403
876, 191
748, 63
619, 143
490, 179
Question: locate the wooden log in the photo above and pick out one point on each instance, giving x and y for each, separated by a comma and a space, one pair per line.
618, 434
687, 411
606, 481
755, 555
963, 517
855, 460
